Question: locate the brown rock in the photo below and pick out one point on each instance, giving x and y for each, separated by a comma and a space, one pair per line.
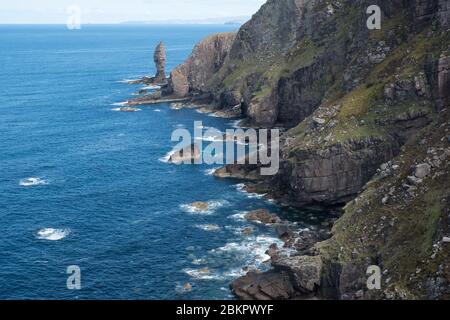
200, 206
160, 61
263, 216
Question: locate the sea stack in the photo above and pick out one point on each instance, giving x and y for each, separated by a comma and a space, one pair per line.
160, 61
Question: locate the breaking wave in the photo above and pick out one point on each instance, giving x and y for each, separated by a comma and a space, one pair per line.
52, 234
30, 182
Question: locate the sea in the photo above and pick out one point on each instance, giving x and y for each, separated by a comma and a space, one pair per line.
83, 184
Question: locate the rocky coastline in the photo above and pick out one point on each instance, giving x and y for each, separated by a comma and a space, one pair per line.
366, 129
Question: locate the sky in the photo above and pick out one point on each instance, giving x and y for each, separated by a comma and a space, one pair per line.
117, 11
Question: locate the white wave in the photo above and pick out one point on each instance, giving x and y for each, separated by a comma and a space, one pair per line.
210, 138
157, 110
212, 207
236, 124
128, 80
202, 274
206, 274
201, 111
239, 216
166, 158
151, 87
120, 104
52, 234
198, 262
241, 188
251, 251
210, 172
30, 182
208, 227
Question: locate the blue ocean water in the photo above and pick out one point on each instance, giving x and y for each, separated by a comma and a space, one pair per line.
81, 184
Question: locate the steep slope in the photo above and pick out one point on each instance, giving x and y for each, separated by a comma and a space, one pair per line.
367, 114
192, 77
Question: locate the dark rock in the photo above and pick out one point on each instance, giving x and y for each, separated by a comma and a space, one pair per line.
284, 231
305, 270
160, 61
263, 286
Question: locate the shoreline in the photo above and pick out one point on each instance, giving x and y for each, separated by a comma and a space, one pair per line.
296, 242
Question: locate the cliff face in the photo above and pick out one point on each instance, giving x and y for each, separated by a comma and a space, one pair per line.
194, 75
368, 119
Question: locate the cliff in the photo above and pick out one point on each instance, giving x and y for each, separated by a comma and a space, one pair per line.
367, 119
194, 75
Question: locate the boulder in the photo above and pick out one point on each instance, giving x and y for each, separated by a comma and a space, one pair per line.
422, 170
262, 216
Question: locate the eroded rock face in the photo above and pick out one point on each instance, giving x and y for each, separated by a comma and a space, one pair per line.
298, 96
263, 286
208, 56
443, 97
335, 174
160, 61
305, 270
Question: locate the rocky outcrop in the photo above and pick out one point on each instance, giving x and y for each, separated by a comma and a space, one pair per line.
272, 285
333, 175
262, 216
305, 271
355, 103
160, 61
208, 56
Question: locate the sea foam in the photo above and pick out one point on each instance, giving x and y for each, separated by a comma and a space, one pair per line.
30, 182
52, 234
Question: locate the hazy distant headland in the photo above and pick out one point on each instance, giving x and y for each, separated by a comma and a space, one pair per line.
222, 20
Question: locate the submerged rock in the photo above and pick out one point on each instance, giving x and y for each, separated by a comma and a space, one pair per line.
200, 206
263, 216
187, 287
